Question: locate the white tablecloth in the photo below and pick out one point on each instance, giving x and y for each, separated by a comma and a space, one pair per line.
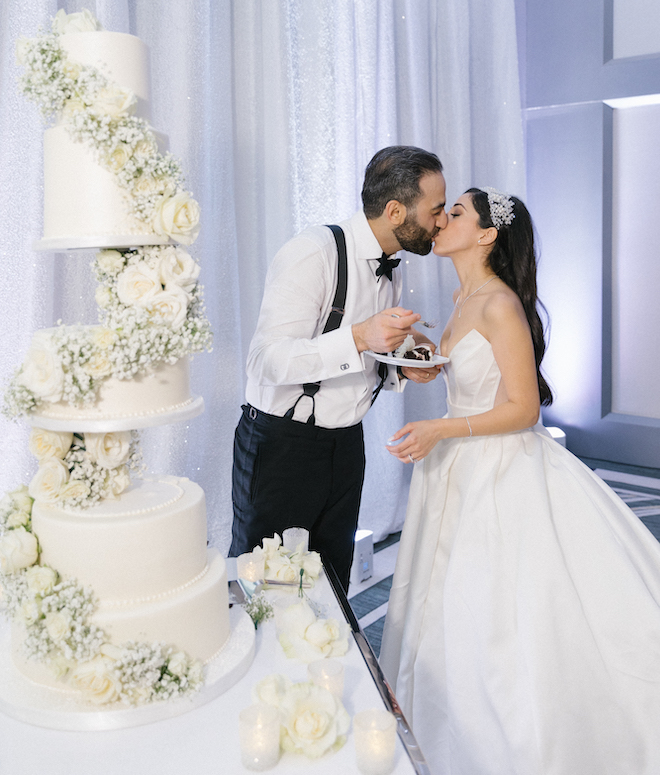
201, 742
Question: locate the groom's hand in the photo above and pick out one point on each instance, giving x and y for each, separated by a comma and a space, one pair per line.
384, 332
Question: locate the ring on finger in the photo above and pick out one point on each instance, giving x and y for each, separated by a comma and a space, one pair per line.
412, 459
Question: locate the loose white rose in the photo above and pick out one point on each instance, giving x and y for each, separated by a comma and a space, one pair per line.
177, 267
281, 568
18, 519
42, 371
74, 488
21, 499
18, 549
98, 366
109, 450
304, 637
83, 21
40, 579
117, 158
110, 261
271, 689
138, 284
311, 564
313, 720
29, 611
103, 296
171, 306
118, 480
49, 480
115, 101
178, 217
97, 680
44, 443
58, 624
178, 664
271, 546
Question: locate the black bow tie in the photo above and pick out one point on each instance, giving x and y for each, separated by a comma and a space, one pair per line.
385, 266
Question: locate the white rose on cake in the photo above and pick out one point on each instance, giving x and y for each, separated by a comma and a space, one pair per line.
98, 366
177, 217
49, 480
74, 488
40, 579
18, 519
97, 680
117, 158
103, 296
44, 443
118, 480
114, 101
42, 371
171, 305
58, 624
110, 261
18, 549
103, 337
20, 498
109, 450
138, 284
23, 46
30, 611
177, 267
83, 21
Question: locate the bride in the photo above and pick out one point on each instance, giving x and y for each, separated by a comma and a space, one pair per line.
523, 628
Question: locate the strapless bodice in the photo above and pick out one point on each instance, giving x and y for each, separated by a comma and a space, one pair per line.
472, 376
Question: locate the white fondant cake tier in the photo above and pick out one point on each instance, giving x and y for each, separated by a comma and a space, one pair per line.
195, 621
123, 404
82, 200
123, 59
155, 533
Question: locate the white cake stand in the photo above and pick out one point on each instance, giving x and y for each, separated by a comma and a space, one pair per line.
97, 242
27, 701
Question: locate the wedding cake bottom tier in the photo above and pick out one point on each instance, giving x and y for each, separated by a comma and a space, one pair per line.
195, 620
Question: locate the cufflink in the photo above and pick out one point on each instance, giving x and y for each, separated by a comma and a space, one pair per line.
344, 366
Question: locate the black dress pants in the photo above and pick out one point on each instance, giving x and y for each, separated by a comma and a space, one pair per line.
291, 474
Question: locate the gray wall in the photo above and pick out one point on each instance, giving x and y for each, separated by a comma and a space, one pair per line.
581, 194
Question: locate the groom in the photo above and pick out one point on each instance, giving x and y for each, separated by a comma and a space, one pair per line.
298, 448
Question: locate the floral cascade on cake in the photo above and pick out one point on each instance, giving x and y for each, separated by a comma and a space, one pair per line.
113, 594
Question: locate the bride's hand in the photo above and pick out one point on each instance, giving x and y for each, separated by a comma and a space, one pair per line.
420, 439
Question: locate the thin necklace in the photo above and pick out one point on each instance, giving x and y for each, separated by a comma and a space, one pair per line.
471, 295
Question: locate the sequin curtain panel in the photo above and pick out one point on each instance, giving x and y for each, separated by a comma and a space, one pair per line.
274, 108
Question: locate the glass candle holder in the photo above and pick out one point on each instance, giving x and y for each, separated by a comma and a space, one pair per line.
375, 740
328, 673
259, 735
250, 567
292, 537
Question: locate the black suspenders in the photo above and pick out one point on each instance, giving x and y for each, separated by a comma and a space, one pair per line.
334, 318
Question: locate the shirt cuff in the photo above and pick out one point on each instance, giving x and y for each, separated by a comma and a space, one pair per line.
339, 353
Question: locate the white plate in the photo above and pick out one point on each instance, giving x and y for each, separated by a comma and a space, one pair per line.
436, 360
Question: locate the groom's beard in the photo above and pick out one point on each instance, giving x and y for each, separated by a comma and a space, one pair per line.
413, 237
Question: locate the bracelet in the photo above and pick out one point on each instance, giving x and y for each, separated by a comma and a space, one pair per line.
469, 426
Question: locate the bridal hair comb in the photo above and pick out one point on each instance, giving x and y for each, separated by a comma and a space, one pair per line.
501, 207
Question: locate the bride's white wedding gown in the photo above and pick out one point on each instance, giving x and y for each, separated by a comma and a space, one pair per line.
523, 628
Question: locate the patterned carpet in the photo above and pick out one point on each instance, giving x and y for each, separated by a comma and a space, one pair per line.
638, 487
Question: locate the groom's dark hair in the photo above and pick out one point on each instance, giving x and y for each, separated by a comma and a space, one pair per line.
394, 173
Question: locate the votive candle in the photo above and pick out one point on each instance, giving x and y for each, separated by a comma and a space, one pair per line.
292, 537
375, 740
259, 734
250, 567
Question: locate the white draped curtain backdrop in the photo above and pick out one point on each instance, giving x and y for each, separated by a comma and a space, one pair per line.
274, 108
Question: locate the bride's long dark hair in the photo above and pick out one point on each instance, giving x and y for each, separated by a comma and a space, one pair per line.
513, 260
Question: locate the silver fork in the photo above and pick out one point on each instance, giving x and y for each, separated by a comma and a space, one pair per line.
430, 323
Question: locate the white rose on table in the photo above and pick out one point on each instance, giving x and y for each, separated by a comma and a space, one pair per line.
42, 371
118, 480
44, 443
280, 568
83, 21
114, 101
40, 579
18, 550
177, 267
110, 261
21, 499
97, 680
109, 450
138, 284
271, 689
49, 480
177, 217
29, 611
314, 721
304, 637
171, 305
